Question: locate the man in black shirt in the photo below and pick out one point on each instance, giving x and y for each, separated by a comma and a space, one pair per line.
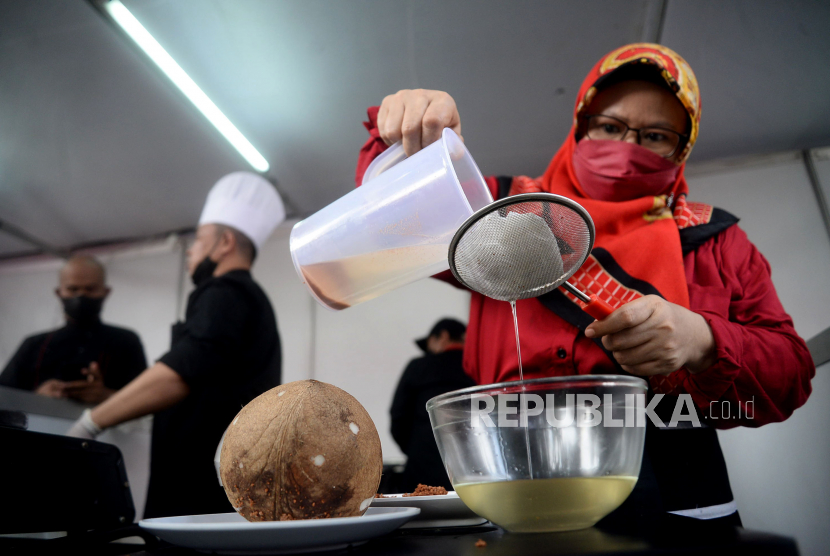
437, 372
85, 360
225, 353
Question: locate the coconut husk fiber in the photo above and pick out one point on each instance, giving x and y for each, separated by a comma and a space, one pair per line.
302, 450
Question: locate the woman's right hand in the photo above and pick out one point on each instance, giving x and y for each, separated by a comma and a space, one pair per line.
417, 117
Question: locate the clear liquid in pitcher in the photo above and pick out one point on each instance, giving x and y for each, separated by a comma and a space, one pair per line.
341, 283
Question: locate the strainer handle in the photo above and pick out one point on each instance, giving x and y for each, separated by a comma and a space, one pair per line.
594, 306
598, 308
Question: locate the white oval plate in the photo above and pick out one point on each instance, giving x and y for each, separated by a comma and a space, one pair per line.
441, 510
232, 534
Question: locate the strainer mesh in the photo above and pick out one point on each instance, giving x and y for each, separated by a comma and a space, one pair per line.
522, 250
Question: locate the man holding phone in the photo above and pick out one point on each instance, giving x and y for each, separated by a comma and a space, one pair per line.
85, 360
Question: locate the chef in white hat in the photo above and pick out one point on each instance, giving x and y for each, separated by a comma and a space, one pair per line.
225, 353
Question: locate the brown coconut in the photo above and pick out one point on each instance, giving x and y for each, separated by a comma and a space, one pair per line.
302, 450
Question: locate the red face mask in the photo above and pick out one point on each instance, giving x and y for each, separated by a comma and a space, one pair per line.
622, 171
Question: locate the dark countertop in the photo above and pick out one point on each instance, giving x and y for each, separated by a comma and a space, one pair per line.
680, 536
632, 529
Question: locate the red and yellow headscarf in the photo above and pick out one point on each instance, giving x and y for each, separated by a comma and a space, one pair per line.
674, 69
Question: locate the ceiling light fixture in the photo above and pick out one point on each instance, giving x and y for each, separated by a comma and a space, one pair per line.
136, 31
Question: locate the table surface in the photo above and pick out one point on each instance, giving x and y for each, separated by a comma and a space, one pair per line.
668, 537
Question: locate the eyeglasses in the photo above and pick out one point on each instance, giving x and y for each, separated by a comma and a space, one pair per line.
659, 140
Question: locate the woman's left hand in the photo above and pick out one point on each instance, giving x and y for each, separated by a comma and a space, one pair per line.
651, 336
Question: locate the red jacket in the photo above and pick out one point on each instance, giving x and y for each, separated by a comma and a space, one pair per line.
760, 357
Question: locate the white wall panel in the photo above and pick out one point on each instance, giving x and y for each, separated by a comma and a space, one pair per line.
777, 206
274, 271
27, 303
779, 472
364, 349
143, 295
821, 161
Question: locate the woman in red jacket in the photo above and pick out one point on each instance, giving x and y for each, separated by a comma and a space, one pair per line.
696, 310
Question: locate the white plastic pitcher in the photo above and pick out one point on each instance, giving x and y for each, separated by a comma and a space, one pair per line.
394, 229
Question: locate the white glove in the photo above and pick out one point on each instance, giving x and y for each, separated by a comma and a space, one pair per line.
85, 427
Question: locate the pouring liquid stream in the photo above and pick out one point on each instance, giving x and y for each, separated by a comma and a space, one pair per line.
521, 378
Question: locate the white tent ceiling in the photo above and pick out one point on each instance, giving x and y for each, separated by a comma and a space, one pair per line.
96, 144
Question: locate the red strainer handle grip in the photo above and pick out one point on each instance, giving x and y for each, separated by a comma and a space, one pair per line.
598, 308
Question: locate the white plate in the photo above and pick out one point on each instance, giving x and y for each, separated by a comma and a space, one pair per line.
441, 510
232, 534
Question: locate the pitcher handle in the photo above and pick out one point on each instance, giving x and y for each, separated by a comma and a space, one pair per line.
384, 161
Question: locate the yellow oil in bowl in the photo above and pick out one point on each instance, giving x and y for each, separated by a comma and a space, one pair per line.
544, 505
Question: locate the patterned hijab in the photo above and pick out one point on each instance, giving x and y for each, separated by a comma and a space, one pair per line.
666, 62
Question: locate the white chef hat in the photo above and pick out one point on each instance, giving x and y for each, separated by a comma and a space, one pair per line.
247, 202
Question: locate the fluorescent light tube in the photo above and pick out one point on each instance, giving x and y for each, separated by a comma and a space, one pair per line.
136, 31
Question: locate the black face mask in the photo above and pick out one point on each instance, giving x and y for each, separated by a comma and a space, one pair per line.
83, 309
203, 271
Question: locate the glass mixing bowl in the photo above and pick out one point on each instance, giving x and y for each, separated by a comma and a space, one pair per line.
576, 460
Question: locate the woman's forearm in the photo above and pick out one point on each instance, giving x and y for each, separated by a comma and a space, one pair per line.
766, 368
155, 389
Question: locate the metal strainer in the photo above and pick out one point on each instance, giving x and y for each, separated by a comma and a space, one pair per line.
525, 246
